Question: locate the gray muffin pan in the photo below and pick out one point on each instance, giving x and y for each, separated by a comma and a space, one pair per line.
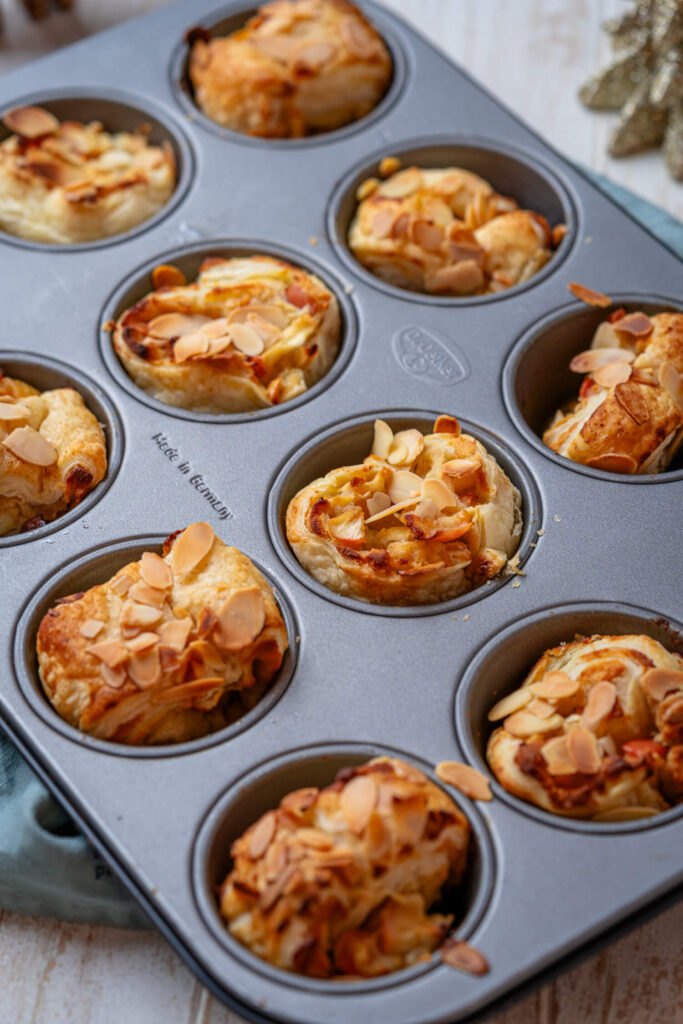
599, 552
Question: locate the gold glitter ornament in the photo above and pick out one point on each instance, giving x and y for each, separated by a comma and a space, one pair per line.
644, 81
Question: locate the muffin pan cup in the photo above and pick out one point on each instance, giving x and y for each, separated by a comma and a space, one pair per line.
363, 680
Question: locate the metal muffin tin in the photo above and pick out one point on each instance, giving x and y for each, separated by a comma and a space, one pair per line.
600, 552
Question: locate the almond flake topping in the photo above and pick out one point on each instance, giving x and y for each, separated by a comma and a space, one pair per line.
193, 544
437, 491
261, 835
358, 40
512, 702
383, 439
637, 324
175, 632
168, 276
427, 235
383, 222
605, 336
461, 278
135, 615
246, 339
240, 619
523, 724
29, 446
600, 702
389, 165
402, 184
464, 957
121, 584
405, 485
90, 628
459, 468
174, 325
377, 502
465, 778
612, 374
142, 641
406, 447
594, 358
555, 685
196, 343
672, 381
13, 410
155, 571
357, 800
114, 677
447, 425
657, 682
144, 668
30, 122
583, 750
366, 188
144, 594
557, 756
540, 708
111, 652
391, 510
316, 54
589, 296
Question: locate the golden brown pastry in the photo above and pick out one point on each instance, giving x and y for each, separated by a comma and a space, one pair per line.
628, 417
423, 519
52, 453
67, 182
447, 232
168, 649
297, 68
251, 332
595, 731
340, 881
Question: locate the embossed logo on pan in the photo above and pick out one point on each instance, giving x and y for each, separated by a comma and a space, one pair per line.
196, 480
424, 352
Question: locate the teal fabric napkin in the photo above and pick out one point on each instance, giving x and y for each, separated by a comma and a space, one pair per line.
46, 866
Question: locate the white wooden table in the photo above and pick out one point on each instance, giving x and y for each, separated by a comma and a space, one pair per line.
534, 53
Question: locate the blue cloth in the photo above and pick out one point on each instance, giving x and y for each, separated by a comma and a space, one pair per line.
46, 866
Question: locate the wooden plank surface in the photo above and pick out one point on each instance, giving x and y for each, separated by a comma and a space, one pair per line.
534, 54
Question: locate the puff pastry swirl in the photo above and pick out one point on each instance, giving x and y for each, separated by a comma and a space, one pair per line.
447, 232
628, 417
52, 453
340, 881
249, 333
299, 67
422, 519
63, 183
168, 649
595, 730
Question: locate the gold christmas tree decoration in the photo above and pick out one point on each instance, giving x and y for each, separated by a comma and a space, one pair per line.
644, 81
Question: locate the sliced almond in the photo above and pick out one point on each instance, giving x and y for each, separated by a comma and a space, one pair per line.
113, 677
555, 685
630, 398
625, 814
281, 48
460, 468
168, 276
175, 633
261, 834
583, 750
557, 757
193, 544
383, 439
142, 641
541, 708
357, 38
464, 957
383, 222
437, 491
30, 122
389, 165
144, 594
314, 838
601, 700
605, 336
522, 724
465, 778
404, 485
612, 374
358, 800
409, 818
245, 339
594, 358
589, 296
29, 446
90, 628
461, 278
13, 411
190, 346
139, 616
657, 682
111, 652
378, 502
267, 332
401, 225
637, 324
240, 619
613, 462
144, 668
391, 510
447, 425
315, 54
175, 325
402, 184
121, 584
512, 702
672, 381
155, 571
377, 836
407, 445
366, 188
427, 235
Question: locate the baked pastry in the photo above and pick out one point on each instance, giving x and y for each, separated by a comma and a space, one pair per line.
250, 332
422, 519
595, 731
299, 67
628, 417
67, 182
52, 453
340, 881
168, 649
447, 232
